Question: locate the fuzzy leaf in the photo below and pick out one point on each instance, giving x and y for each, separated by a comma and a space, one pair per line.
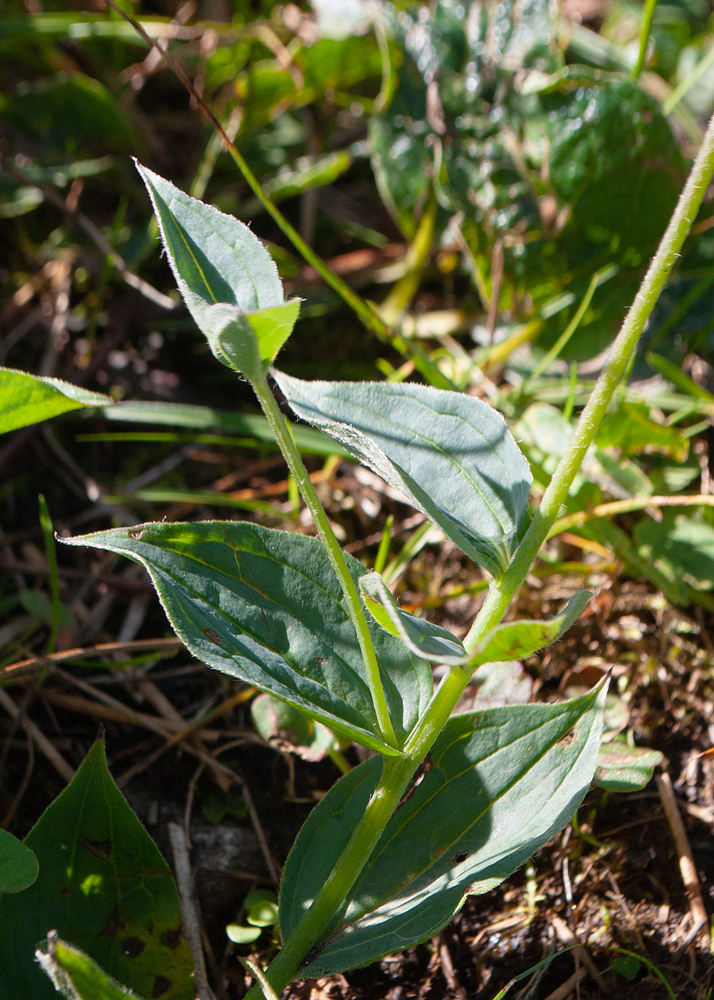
450, 454
518, 640
266, 606
226, 276
104, 885
499, 785
76, 976
28, 399
424, 639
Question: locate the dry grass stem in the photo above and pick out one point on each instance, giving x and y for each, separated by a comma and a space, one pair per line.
686, 859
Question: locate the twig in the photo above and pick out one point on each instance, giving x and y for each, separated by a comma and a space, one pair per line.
189, 910
97, 237
102, 649
686, 858
38, 737
12, 808
566, 937
447, 967
254, 818
190, 794
568, 986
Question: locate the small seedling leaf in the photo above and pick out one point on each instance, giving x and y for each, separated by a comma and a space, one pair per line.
239, 934
28, 399
518, 640
226, 276
78, 977
18, 864
102, 884
261, 907
451, 455
266, 606
499, 784
622, 768
285, 727
424, 639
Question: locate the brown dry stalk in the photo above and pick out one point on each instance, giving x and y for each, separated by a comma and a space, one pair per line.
686, 859
37, 736
18, 671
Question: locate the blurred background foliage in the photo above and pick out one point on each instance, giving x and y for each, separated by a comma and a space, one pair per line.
495, 176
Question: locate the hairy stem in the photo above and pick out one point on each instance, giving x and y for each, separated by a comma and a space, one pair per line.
398, 771
284, 438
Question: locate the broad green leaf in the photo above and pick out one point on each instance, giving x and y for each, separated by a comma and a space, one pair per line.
266, 606
450, 454
252, 425
226, 276
69, 112
518, 640
622, 768
28, 399
18, 864
424, 639
78, 977
497, 786
285, 727
103, 885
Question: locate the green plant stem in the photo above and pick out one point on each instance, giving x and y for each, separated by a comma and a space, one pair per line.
299, 473
398, 771
594, 412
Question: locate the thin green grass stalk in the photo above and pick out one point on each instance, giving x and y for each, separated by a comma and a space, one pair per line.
398, 771
353, 601
383, 551
51, 553
644, 37
570, 401
686, 85
599, 278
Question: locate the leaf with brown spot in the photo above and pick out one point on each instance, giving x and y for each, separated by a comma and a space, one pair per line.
162, 985
102, 850
132, 947
103, 886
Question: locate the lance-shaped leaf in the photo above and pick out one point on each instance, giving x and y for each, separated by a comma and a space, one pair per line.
497, 786
76, 976
28, 399
518, 640
266, 606
18, 864
103, 885
424, 639
622, 768
450, 454
226, 276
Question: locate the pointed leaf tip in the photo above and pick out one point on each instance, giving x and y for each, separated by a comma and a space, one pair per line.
226, 276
